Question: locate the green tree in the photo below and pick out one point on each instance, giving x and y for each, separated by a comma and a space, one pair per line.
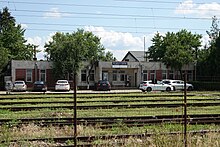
12, 38
175, 49
209, 56
3, 58
214, 33
69, 50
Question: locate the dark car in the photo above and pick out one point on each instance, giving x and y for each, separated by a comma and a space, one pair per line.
103, 85
40, 86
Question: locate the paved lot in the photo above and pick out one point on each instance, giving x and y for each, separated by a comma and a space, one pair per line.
78, 91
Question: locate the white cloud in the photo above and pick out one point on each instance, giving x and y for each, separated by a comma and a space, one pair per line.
55, 13
24, 26
117, 42
202, 9
186, 7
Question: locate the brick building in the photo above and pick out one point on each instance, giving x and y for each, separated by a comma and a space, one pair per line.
126, 73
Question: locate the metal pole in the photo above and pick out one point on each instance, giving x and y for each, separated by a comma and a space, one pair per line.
185, 112
75, 112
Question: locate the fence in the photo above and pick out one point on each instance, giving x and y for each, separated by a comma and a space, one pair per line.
111, 118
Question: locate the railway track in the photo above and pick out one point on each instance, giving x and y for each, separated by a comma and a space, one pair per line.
106, 122
87, 140
107, 101
22, 96
109, 106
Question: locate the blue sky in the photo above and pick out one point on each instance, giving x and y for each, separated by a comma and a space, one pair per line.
122, 25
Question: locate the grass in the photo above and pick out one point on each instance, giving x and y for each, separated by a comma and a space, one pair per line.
47, 112
34, 131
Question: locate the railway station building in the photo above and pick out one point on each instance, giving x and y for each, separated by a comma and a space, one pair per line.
127, 73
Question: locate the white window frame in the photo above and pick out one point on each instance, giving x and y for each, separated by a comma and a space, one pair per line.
41, 74
145, 74
29, 74
164, 74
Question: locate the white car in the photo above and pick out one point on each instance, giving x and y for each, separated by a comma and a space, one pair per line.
62, 85
150, 86
19, 86
178, 84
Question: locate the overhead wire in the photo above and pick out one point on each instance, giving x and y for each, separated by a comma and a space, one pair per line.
90, 15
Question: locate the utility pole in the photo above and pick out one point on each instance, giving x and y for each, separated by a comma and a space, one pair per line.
75, 109
185, 112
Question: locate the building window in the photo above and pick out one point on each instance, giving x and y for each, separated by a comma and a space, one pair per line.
92, 76
152, 75
164, 74
189, 75
171, 74
122, 75
114, 78
43, 75
145, 75
29, 75
83, 75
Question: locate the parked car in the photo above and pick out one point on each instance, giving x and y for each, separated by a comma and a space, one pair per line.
40, 86
62, 85
103, 85
158, 86
178, 84
19, 86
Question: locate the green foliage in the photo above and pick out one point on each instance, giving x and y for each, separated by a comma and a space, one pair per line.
209, 57
12, 42
3, 57
69, 50
209, 86
175, 49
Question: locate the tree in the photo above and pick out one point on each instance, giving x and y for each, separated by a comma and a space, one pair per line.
3, 58
12, 36
209, 56
175, 49
12, 42
214, 33
68, 50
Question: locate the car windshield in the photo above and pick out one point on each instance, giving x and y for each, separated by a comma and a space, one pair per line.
39, 82
62, 82
103, 82
19, 82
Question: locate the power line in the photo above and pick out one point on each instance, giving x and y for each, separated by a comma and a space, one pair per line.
68, 30
116, 15
153, 1
108, 26
110, 6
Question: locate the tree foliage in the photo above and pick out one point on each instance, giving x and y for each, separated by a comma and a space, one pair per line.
209, 60
12, 42
69, 50
175, 49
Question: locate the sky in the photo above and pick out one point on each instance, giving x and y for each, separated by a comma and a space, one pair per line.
122, 25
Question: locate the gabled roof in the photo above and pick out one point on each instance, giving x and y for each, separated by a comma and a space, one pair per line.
137, 55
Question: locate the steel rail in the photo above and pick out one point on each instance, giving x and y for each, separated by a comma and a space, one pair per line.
95, 101
132, 121
109, 106
107, 95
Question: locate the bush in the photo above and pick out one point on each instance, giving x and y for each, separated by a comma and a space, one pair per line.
210, 86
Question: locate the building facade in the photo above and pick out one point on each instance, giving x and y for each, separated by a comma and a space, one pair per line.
126, 73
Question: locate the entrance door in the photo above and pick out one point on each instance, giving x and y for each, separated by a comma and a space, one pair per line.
105, 76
